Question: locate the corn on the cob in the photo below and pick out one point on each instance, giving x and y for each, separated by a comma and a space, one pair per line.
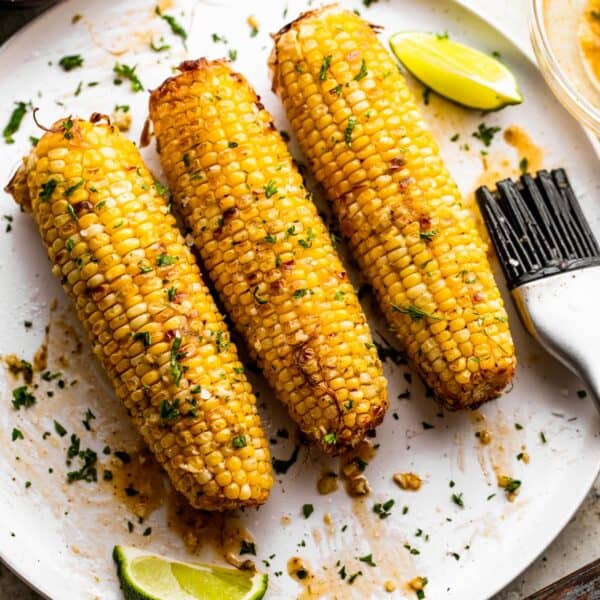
151, 320
268, 252
402, 213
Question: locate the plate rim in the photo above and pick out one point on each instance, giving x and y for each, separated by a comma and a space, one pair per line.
524, 48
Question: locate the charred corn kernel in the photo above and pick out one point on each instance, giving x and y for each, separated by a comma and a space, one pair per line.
415, 240
268, 252
151, 320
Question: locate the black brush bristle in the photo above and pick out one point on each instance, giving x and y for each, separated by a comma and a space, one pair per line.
537, 227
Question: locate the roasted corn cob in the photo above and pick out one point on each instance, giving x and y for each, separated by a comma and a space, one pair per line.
268, 252
402, 213
151, 320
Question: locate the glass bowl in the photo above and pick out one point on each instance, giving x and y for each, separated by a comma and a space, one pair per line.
555, 29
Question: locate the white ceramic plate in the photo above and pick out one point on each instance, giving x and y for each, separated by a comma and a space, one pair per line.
59, 537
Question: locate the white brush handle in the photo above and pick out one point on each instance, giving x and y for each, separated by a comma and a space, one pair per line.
562, 312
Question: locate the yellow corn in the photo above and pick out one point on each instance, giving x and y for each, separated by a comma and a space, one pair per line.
402, 213
151, 320
268, 252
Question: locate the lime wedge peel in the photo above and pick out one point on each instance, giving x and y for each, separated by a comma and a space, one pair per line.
146, 576
460, 73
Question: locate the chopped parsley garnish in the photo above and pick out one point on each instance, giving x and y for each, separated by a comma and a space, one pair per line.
161, 189
14, 122
239, 441
426, 425
363, 71
270, 188
258, 298
428, 235
486, 134
383, 509
89, 416
67, 126
368, 559
414, 312
543, 437
412, 550
222, 343
310, 236
70, 244
458, 500
455, 137
71, 211
511, 485
176, 28
127, 72
17, 434
353, 577
71, 61
307, 510
22, 398
164, 260
59, 429
142, 336
325, 67
337, 90
176, 356
300, 293
454, 555
330, 439
232, 145
442, 35
48, 189
518, 426
282, 466
69, 191
156, 48
168, 411
270, 239
216, 38
524, 165
233, 54
33, 140
247, 548
171, 293
339, 296
87, 471
349, 129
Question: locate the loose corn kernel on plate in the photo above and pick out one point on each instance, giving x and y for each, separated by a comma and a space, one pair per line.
460, 529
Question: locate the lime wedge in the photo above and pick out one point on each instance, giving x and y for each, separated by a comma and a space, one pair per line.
455, 71
150, 577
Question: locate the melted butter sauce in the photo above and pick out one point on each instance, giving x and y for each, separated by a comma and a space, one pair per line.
589, 39
503, 443
138, 483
